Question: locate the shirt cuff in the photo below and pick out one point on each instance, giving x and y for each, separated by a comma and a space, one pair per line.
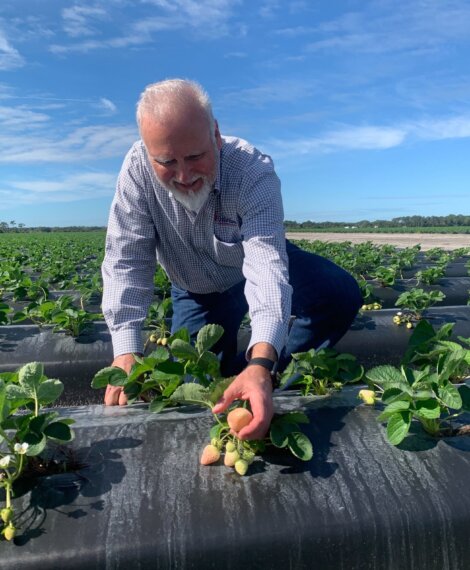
127, 341
273, 333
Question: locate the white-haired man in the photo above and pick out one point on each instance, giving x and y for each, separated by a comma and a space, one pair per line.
208, 209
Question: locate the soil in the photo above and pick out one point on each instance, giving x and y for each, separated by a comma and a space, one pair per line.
427, 241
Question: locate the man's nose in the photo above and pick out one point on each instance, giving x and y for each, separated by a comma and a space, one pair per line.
183, 173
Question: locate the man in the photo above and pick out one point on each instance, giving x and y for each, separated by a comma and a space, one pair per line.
208, 208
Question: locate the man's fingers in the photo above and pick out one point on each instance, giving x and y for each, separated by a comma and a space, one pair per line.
262, 407
113, 394
228, 397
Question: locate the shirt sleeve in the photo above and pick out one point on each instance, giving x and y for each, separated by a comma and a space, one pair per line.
130, 260
265, 266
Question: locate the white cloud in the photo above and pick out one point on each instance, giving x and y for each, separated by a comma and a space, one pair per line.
108, 105
77, 20
393, 26
373, 137
10, 58
84, 143
70, 188
204, 18
14, 118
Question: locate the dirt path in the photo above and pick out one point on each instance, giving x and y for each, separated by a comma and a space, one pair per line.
427, 241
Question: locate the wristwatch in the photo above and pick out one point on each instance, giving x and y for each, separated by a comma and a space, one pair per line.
269, 365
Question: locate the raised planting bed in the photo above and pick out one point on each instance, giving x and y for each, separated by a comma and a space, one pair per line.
456, 290
144, 501
373, 338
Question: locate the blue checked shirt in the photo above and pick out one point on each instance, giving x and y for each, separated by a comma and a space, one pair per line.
237, 234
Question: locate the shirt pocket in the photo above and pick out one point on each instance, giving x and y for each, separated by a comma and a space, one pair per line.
230, 254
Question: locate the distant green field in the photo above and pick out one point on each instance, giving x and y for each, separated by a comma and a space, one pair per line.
397, 230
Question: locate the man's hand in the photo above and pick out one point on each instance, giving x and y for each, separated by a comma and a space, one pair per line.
115, 394
253, 384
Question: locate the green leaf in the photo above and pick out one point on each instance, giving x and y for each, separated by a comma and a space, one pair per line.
157, 405
216, 430
104, 377
449, 394
294, 417
49, 391
464, 392
209, 364
278, 434
59, 431
391, 394
393, 408
160, 354
300, 446
171, 386
182, 334
29, 377
184, 350
38, 423
386, 376
398, 427
428, 409
217, 388
280, 431
3, 402
37, 443
192, 393
207, 337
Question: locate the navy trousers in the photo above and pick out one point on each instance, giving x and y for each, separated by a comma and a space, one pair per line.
325, 300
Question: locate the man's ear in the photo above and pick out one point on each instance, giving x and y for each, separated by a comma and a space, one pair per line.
218, 138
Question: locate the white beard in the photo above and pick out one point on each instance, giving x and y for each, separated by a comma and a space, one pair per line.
191, 200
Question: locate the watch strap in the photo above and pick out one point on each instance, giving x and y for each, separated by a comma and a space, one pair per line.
265, 362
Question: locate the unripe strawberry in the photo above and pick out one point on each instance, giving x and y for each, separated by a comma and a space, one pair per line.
216, 443
365, 307
241, 467
248, 456
377, 306
396, 319
367, 396
6, 514
9, 532
153, 338
230, 458
238, 418
159, 341
164, 341
210, 454
230, 446
409, 325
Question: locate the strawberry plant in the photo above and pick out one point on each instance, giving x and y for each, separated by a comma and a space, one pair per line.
5, 310
426, 396
160, 373
429, 347
25, 429
417, 301
430, 275
321, 371
284, 430
158, 317
386, 276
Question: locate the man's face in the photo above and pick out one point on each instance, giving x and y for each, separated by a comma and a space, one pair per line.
183, 154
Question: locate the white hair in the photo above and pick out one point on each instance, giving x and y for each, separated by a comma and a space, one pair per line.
157, 99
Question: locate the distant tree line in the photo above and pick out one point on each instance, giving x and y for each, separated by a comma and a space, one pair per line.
21, 228
404, 221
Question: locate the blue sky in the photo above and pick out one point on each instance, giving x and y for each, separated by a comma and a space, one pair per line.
363, 105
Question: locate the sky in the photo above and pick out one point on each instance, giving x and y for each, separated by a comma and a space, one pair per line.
364, 106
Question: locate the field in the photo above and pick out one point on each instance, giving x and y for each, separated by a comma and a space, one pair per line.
425, 240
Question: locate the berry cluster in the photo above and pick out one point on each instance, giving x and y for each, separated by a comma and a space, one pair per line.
238, 454
404, 318
371, 307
